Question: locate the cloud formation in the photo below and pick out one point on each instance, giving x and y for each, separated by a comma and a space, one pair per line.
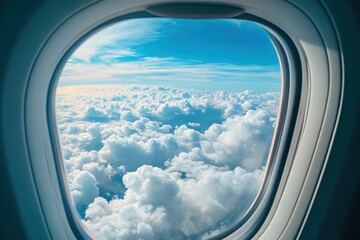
104, 45
163, 163
149, 50
171, 70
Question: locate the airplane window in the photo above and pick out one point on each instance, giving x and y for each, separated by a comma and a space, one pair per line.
166, 125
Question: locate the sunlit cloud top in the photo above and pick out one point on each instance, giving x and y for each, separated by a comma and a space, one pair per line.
226, 54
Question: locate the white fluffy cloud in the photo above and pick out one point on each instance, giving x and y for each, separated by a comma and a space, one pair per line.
84, 188
171, 206
163, 163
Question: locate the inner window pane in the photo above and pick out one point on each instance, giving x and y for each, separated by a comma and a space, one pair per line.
166, 125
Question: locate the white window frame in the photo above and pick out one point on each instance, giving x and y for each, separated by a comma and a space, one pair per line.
307, 25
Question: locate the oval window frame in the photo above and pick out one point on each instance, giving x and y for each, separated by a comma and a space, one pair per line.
289, 62
314, 115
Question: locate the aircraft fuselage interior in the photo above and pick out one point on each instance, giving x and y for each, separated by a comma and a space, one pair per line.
180, 119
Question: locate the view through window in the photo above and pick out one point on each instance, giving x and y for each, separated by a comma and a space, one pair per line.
166, 125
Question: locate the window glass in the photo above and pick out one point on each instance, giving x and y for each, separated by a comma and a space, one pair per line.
166, 125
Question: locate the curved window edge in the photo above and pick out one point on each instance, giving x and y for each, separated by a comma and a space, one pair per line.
40, 154
287, 113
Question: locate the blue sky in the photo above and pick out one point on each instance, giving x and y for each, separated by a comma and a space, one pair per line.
230, 55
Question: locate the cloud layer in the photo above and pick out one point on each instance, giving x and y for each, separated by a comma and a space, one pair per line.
163, 163
160, 51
